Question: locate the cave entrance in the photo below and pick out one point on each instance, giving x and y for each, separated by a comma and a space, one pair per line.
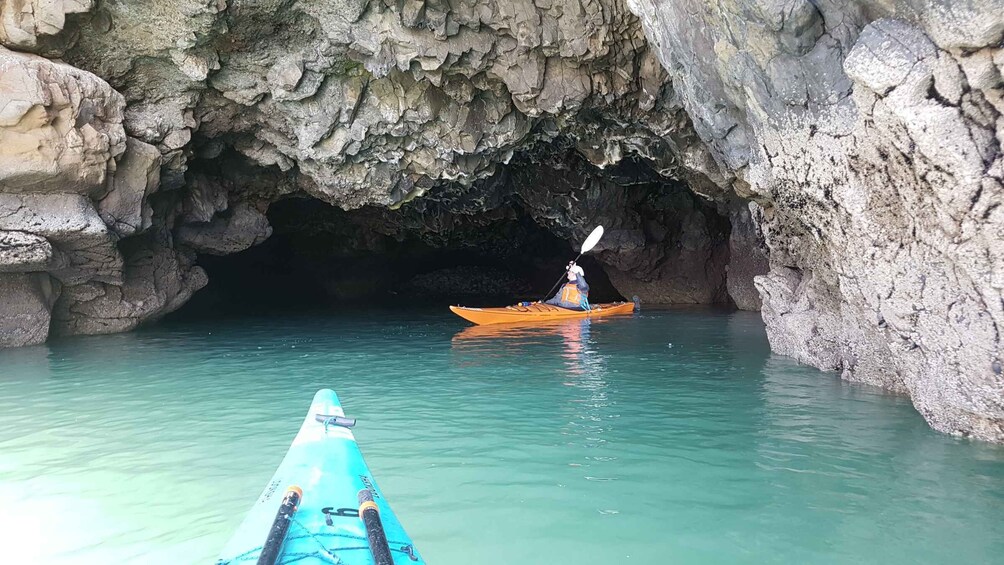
503, 239
321, 256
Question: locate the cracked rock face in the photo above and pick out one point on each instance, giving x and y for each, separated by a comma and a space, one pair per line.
72, 186
846, 155
372, 103
870, 134
748, 256
28, 299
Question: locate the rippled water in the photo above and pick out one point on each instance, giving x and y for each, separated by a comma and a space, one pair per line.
670, 437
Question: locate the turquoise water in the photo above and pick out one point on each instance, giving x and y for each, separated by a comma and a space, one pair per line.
670, 437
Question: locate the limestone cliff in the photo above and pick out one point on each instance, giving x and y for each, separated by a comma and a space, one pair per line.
850, 148
871, 134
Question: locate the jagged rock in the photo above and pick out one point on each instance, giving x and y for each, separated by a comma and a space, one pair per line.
877, 160
72, 184
748, 257
24, 310
60, 127
86, 248
370, 101
158, 56
126, 208
157, 280
238, 228
22, 252
203, 200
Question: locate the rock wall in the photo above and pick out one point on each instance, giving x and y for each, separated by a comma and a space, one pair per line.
373, 102
28, 299
661, 242
72, 186
870, 133
748, 255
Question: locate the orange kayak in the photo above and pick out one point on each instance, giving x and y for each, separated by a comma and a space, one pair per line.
537, 312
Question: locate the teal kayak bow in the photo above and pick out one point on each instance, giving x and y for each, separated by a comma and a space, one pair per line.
322, 505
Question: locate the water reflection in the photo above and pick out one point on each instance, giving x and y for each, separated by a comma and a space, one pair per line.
575, 338
585, 370
582, 367
480, 345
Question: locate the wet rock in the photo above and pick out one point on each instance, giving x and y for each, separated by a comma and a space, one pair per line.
156, 281
85, 249
25, 308
236, 229
877, 161
748, 256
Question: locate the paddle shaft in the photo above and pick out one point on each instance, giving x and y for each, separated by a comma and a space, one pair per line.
273, 544
548, 295
374, 529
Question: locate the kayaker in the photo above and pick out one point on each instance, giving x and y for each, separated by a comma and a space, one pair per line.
574, 295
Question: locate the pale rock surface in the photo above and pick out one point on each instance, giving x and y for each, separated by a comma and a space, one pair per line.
72, 185
126, 206
32, 25
60, 127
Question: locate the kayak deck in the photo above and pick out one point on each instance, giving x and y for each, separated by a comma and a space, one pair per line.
537, 312
325, 462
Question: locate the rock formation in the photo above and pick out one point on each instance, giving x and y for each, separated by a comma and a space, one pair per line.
72, 185
871, 135
844, 155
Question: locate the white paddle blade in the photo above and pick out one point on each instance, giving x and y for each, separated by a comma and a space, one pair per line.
592, 240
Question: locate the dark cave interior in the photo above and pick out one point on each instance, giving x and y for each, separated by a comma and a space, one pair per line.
321, 256
506, 239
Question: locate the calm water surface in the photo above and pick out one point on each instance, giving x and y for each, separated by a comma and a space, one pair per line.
669, 437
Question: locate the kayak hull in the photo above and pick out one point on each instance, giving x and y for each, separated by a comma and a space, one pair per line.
537, 312
326, 464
